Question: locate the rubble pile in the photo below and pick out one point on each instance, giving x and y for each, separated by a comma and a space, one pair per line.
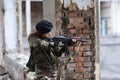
3, 74
2, 70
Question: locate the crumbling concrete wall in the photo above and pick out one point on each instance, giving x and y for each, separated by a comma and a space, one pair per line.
10, 22
15, 65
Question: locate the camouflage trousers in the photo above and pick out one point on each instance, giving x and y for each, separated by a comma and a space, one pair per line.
45, 74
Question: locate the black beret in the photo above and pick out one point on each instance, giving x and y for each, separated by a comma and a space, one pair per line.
44, 26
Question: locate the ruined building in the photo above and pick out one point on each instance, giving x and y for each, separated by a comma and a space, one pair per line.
76, 18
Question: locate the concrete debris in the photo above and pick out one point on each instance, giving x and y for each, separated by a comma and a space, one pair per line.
3, 74
30, 76
5, 77
2, 70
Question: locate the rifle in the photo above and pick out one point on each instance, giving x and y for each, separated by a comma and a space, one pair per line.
67, 38
66, 41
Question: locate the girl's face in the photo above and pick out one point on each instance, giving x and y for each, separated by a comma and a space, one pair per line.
47, 34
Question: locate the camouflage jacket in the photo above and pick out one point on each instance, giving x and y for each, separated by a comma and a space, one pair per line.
42, 53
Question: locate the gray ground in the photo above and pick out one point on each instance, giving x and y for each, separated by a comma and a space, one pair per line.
110, 62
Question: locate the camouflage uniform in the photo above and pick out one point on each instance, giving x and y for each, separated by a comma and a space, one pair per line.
44, 58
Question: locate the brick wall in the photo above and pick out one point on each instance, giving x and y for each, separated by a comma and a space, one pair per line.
80, 24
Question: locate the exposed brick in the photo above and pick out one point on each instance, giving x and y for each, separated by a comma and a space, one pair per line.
92, 58
58, 15
74, 76
71, 65
86, 31
80, 59
70, 70
80, 53
88, 64
58, 21
87, 47
79, 64
79, 31
88, 75
89, 12
89, 53
91, 69
72, 31
82, 65
92, 47
77, 22
87, 26
86, 36
87, 43
74, 14
79, 34
88, 59
81, 70
81, 49
79, 25
78, 76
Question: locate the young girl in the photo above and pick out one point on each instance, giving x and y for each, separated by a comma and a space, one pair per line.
43, 59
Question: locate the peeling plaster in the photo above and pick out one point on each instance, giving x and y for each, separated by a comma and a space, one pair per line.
10, 25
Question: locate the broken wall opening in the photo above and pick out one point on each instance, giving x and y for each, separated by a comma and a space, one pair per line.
36, 14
